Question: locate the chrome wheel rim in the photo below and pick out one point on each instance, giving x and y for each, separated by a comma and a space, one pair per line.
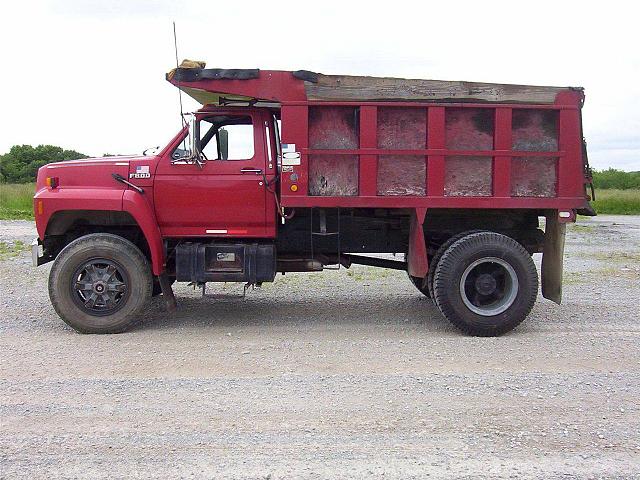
489, 286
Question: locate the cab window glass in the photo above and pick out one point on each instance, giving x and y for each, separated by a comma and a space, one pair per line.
224, 137
183, 150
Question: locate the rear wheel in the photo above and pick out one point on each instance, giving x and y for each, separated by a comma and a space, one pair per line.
485, 284
99, 283
436, 258
425, 285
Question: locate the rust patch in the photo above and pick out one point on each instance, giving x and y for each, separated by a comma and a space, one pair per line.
333, 128
468, 176
401, 175
469, 128
535, 130
533, 176
402, 128
333, 175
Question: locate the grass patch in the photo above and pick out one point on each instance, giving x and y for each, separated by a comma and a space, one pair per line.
10, 250
619, 257
587, 276
576, 227
617, 202
16, 201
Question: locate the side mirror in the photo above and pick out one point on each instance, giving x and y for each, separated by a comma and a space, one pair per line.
223, 138
189, 152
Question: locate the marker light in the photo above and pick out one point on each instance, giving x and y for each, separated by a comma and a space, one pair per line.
40, 207
52, 182
294, 188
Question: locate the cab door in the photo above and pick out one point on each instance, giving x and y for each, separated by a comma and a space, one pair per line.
226, 196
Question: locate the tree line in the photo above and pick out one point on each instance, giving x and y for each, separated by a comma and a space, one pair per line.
612, 178
21, 165
22, 162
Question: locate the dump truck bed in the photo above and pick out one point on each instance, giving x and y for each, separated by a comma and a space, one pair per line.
387, 142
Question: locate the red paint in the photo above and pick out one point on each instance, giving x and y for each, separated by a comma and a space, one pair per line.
189, 200
368, 163
435, 161
142, 212
271, 85
418, 264
502, 161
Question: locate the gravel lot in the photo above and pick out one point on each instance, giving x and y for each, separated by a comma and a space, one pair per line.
340, 374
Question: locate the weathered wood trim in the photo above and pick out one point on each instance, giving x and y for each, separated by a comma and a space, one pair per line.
346, 88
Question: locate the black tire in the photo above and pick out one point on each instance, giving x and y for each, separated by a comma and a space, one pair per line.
433, 264
504, 289
99, 283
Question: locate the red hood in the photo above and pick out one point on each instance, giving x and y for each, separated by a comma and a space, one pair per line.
91, 172
99, 160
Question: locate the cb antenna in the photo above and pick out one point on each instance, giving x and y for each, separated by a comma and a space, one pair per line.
175, 46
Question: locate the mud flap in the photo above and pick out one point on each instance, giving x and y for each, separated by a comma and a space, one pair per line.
552, 258
418, 264
167, 292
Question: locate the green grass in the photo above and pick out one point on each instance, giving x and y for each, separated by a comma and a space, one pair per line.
10, 250
617, 202
16, 201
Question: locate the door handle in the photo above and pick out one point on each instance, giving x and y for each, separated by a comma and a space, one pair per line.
257, 171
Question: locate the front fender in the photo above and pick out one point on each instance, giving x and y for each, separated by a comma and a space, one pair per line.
46, 202
136, 205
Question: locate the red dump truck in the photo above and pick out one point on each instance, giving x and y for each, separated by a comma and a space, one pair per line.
454, 177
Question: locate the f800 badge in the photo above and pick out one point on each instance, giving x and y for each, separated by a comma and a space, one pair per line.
142, 171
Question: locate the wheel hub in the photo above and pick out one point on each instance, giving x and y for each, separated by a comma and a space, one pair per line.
100, 287
486, 284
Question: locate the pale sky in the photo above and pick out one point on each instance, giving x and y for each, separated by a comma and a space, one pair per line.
89, 75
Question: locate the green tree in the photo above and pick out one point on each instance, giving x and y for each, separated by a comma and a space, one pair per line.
612, 178
22, 162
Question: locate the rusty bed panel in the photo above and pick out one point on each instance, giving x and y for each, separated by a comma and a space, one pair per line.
468, 129
333, 128
402, 175
534, 131
402, 128
333, 175
534, 176
405, 128
467, 176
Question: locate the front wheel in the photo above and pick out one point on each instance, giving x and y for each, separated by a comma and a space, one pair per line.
485, 284
99, 283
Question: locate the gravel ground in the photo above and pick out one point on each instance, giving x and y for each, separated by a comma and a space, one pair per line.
332, 375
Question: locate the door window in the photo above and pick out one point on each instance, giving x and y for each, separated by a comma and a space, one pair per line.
224, 137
